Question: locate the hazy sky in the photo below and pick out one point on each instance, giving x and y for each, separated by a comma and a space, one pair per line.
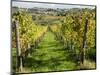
45, 5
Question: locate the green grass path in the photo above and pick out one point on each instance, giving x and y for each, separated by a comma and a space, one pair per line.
49, 56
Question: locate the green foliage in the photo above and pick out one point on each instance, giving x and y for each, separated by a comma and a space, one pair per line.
91, 54
61, 46
72, 28
29, 32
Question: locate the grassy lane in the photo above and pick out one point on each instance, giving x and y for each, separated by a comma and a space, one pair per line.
49, 56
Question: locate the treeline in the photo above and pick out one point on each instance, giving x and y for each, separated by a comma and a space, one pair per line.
77, 32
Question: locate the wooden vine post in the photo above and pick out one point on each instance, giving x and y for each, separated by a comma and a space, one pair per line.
19, 63
84, 42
